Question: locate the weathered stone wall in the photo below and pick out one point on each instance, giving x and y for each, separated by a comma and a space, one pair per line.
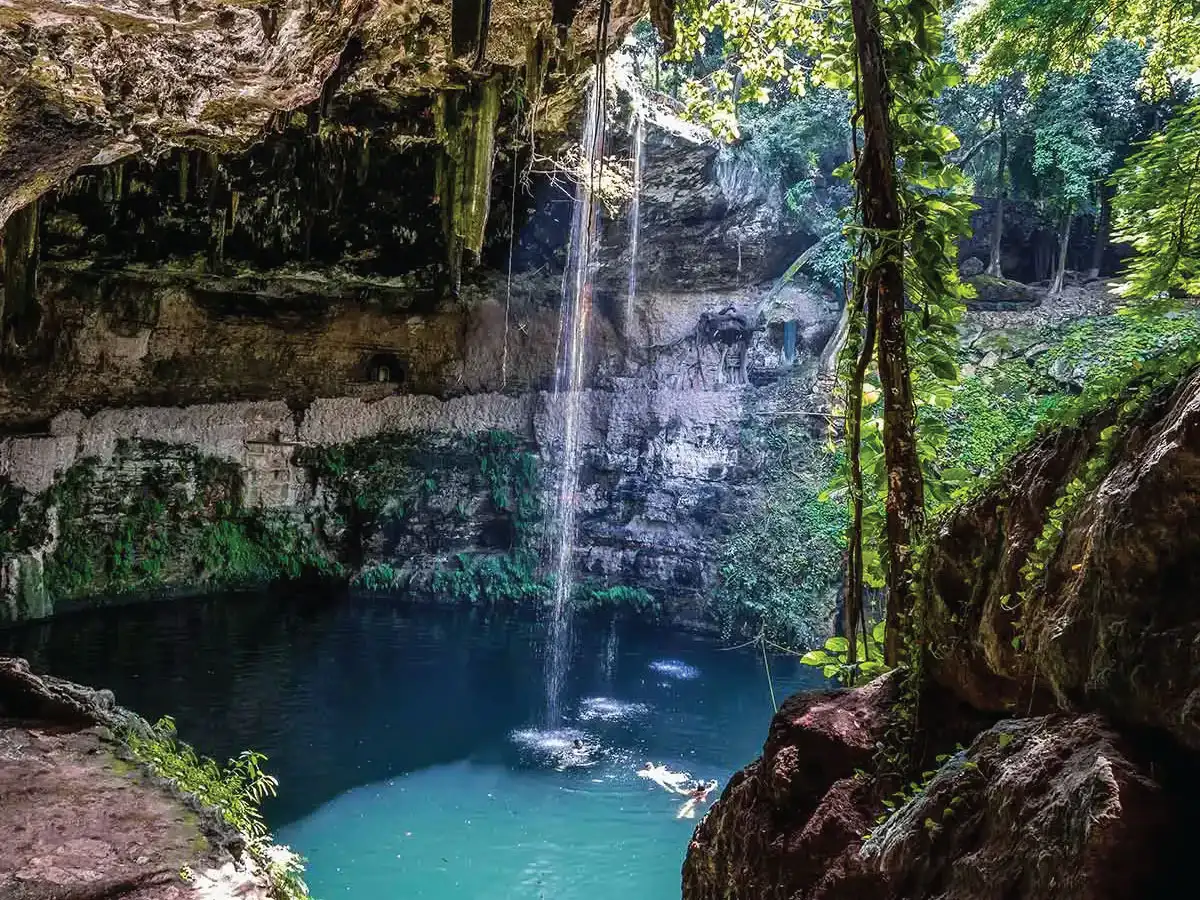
665, 474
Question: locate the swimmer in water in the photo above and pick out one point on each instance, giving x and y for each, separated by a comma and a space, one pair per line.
577, 744
696, 796
671, 782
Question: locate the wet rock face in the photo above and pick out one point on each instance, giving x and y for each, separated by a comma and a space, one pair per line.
708, 219
1116, 625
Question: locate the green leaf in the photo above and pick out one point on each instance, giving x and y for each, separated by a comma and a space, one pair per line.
816, 658
837, 644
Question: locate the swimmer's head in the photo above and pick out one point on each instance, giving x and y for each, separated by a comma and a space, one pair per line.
578, 744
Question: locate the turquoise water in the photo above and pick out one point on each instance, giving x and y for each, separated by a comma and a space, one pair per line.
410, 743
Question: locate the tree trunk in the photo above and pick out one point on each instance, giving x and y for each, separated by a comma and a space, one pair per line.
1102, 228
827, 364
1060, 270
861, 348
884, 285
993, 268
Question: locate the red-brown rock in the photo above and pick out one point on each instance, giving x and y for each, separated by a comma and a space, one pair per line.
81, 821
779, 828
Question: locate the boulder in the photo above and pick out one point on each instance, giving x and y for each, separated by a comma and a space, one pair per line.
82, 819
795, 817
971, 266
1115, 626
26, 695
1051, 807
992, 293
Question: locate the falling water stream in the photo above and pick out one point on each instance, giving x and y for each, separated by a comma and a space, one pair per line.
639, 141
568, 391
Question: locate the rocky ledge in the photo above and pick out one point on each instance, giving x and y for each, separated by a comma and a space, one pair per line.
83, 821
1062, 622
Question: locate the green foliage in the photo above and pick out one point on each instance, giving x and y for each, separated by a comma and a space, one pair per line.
389, 476
757, 39
1084, 56
914, 789
780, 568
971, 430
832, 660
235, 790
991, 413
258, 545
638, 600
479, 579
1069, 155
1157, 210
1038, 37
801, 141
160, 515
379, 578
511, 473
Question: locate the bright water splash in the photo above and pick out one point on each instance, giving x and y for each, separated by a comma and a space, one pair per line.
675, 668
606, 709
557, 749
568, 391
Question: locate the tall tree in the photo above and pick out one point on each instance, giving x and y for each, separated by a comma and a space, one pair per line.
883, 283
1069, 158
1105, 44
910, 207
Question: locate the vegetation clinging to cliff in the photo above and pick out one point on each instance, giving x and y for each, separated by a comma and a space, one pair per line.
234, 790
780, 571
160, 515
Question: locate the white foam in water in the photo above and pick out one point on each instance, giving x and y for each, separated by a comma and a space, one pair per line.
675, 668
607, 709
556, 747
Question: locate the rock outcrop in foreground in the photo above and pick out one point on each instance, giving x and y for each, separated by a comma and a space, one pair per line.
1089, 791
81, 821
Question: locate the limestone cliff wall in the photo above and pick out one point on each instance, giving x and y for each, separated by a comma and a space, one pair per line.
665, 477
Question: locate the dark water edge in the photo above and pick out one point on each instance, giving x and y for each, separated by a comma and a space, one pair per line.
341, 691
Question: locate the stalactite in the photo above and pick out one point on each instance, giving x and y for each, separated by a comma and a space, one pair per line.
218, 213
467, 129
19, 310
184, 156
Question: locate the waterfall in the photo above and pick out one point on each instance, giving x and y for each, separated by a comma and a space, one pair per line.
568, 389
635, 219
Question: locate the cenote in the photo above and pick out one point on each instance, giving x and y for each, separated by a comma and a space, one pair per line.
409, 741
